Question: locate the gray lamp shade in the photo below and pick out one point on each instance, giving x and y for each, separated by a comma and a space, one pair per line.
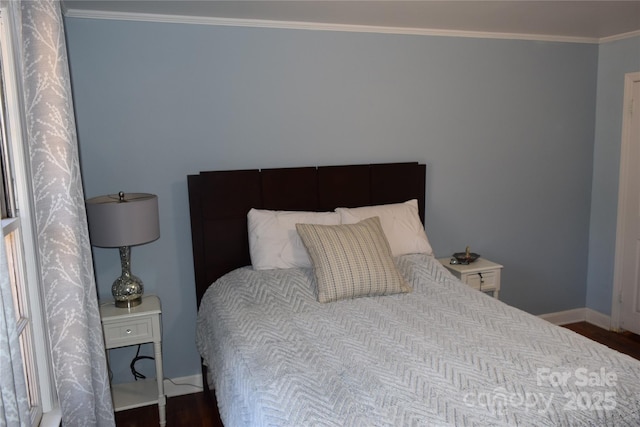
118, 220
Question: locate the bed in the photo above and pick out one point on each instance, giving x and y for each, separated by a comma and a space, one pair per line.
436, 354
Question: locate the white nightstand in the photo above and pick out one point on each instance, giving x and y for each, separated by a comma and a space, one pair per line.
131, 326
482, 274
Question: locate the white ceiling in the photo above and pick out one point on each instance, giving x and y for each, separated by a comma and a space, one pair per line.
579, 19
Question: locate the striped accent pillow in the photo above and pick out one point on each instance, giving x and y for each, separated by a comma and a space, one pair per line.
351, 260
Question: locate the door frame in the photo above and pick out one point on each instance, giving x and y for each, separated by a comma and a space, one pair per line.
623, 187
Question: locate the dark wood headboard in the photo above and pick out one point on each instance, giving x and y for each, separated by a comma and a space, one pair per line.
220, 200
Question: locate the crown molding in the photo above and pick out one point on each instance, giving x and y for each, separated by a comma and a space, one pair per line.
620, 37
292, 25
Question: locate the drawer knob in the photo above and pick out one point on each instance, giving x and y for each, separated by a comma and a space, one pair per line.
128, 331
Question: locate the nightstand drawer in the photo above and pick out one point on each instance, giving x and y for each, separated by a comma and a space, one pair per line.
128, 332
482, 275
483, 281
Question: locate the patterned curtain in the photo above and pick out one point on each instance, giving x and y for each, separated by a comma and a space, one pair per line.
71, 303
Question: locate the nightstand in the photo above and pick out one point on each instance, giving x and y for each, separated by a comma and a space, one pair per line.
131, 326
482, 274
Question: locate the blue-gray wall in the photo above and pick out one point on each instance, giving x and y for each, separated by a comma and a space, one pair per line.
614, 61
505, 127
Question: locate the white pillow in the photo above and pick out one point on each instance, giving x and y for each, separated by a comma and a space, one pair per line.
274, 241
400, 222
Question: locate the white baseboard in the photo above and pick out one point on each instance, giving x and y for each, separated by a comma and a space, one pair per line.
578, 315
598, 319
565, 317
182, 385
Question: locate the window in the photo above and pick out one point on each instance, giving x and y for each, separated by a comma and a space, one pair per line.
19, 237
13, 240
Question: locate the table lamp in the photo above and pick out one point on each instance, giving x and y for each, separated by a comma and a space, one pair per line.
121, 221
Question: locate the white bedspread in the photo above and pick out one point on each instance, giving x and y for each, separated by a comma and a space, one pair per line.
441, 355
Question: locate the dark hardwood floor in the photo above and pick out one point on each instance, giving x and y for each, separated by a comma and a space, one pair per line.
198, 409
624, 342
190, 410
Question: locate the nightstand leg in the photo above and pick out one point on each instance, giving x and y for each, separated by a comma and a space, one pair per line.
162, 401
495, 294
